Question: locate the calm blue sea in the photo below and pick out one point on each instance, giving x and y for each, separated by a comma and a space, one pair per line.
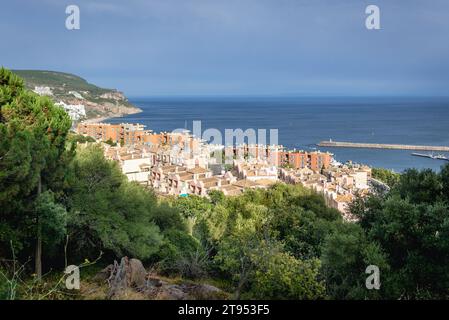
303, 122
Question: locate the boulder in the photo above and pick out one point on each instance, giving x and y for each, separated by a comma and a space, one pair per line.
206, 292
104, 274
172, 292
137, 273
130, 273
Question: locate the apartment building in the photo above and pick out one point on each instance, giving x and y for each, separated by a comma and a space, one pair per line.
314, 160
269, 153
123, 133
276, 156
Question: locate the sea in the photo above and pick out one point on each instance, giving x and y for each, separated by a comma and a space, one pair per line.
302, 122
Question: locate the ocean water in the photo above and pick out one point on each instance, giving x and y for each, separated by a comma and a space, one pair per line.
303, 122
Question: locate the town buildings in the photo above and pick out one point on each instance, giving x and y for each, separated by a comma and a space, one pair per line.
123, 133
277, 156
75, 111
338, 184
314, 160
178, 164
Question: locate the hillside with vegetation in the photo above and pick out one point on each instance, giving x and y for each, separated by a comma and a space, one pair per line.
63, 203
72, 89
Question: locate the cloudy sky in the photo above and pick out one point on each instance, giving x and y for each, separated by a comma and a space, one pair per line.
235, 47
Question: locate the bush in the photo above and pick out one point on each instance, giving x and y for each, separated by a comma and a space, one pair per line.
281, 276
183, 255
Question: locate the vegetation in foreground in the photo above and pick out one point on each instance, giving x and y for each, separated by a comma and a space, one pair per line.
61, 204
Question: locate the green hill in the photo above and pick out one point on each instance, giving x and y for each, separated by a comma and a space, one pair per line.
72, 89
55, 79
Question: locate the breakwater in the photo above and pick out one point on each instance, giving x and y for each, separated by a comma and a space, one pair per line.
340, 144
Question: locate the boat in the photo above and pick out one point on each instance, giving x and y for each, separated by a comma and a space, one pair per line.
441, 157
431, 156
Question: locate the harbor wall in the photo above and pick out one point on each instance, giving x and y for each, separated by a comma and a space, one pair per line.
340, 144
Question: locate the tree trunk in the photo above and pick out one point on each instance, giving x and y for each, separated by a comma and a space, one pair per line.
238, 290
38, 258
240, 285
38, 265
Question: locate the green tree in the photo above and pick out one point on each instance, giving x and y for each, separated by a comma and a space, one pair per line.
182, 254
78, 138
192, 208
106, 212
444, 175
386, 176
302, 232
423, 186
33, 160
410, 224
110, 142
416, 238
234, 257
279, 275
260, 268
346, 255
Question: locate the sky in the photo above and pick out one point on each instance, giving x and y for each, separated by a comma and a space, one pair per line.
235, 47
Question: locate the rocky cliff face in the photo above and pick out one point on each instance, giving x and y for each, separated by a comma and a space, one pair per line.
73, 90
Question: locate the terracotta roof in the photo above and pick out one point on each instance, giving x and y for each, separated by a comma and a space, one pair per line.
231, 190
207, 180
265, 182
185, 176
244, 183
170, 168
198, 170
344, 198
210, 184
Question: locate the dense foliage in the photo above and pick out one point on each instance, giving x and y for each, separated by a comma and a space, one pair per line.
411, 226
386, 176
267, 243
33, 161
66, 203
106, 212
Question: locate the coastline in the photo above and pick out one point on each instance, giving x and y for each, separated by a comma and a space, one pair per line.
104, 118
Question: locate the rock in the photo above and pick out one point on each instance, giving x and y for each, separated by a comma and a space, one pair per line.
104, 274
206, 292
138, 273
155, 282
129, 280
172, 292
207, 288
129, 274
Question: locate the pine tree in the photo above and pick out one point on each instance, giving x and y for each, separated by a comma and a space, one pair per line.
33, 162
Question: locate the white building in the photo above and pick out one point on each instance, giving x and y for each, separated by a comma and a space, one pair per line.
43, 91
255, 170
75, 111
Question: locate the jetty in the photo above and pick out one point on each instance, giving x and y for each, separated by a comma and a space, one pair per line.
340, 144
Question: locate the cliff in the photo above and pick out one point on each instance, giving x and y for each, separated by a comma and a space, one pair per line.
74, 90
